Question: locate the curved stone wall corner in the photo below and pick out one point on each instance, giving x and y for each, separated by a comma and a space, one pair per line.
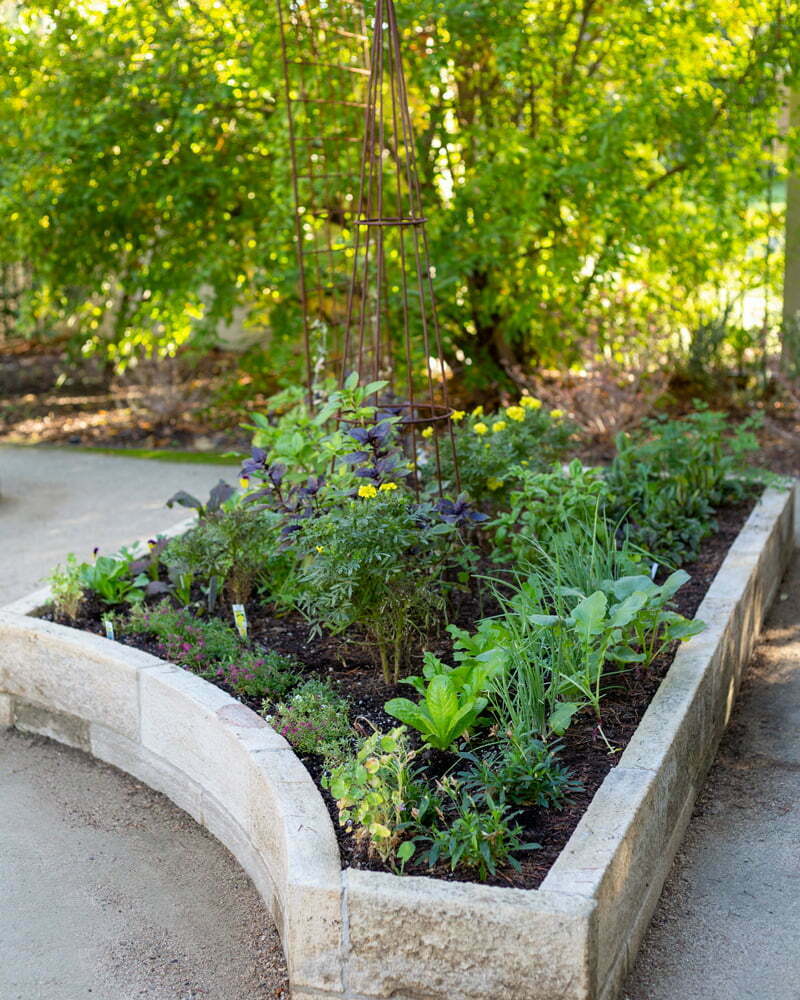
214, 757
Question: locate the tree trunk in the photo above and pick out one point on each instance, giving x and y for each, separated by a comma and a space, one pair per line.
790, 349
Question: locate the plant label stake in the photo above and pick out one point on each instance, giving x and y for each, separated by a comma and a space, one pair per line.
240, 620
109, 627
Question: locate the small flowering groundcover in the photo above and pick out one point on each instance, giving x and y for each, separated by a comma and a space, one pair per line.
457, 670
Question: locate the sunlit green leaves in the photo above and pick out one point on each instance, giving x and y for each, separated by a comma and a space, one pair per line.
590, 170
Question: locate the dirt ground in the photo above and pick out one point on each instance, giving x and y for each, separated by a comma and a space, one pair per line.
111, 892
200, 405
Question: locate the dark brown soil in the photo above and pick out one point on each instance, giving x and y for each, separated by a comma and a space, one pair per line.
351, 666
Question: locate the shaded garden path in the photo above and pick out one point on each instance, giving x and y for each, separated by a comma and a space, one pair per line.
108, 890
728, 923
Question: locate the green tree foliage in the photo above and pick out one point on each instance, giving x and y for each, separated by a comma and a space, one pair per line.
142, 176
591, 169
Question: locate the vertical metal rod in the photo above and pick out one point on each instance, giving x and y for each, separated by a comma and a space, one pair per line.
298, 229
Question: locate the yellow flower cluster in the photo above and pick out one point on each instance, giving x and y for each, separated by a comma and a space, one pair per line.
368, 491
428, 432
478, 411
515, 413
530, 403
556, 414
494, 484
499, 425
457, 416
480, 428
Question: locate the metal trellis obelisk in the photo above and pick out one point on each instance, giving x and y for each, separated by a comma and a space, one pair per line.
391, 308
382, 322
324, 52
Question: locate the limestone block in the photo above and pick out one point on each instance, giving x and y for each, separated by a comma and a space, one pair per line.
59, 726
420, 937
70, 671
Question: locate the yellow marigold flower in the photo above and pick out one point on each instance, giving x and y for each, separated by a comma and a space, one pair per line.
556, 414
368, 491
428, 432
530, 403
320, 548
387, 487
524, 462
457, 416
244, 482
478, 411
481, 428
494, 484
499, 425
515, 413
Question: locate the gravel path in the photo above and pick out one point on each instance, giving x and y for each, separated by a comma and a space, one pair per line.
728, 923
107, 890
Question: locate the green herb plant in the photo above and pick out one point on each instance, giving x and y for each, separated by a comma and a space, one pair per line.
381, 797
668, 478
479, 835
314, 720
110, 578
523, 769
377, 562
544, 505
67, 588
236, 550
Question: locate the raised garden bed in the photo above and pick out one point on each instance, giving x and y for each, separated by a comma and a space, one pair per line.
362, 933
352, 671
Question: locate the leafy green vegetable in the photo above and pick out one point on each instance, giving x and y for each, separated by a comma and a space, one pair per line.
451, 704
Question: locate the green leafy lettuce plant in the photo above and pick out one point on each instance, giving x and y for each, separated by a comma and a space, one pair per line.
452, 701
110, 578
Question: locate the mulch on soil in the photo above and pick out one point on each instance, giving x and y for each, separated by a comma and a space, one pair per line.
353, 670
